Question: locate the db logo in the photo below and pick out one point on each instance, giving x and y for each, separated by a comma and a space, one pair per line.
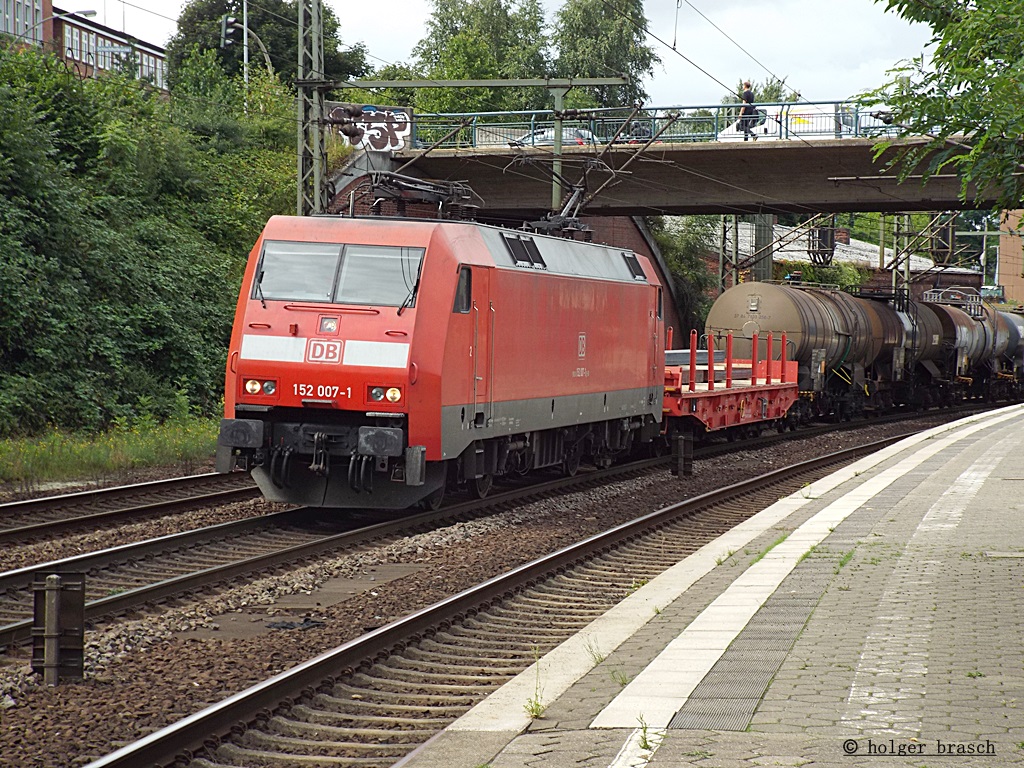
581, 345
323, 351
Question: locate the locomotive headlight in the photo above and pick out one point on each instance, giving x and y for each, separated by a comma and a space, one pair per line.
253, 387
269, 387
377, 394
394, 394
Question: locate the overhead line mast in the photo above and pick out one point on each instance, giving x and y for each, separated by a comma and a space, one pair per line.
311, 84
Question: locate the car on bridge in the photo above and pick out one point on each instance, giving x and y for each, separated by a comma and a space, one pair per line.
545, 137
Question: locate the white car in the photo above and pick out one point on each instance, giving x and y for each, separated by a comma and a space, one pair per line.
545, 137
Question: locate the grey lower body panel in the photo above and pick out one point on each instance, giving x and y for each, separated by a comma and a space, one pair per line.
462, 424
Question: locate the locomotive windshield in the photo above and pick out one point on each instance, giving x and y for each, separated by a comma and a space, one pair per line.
378, 275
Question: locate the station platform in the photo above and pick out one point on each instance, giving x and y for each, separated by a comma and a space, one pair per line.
874, 618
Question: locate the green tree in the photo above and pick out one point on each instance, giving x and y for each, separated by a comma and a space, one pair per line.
483, 39
968, 101
122, 235
275, 22
685, 242
598, 38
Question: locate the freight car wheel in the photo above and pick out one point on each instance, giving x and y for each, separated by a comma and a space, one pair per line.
482, 486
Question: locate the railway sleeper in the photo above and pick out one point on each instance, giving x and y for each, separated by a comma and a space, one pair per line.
354, 707
411, 659
485, 652
478, 635
446, 655
374, 682
310, 714
404, 697
264, 749
417, 675
298, 729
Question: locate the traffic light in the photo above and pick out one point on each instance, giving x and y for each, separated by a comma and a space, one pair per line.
227, 27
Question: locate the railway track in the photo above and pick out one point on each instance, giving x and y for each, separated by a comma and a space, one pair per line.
48, 516
375, 699
127, 578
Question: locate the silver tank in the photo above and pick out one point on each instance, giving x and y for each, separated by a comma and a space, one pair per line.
813, 319
1015, 336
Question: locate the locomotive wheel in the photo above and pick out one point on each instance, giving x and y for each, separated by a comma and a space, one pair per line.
482, 485
433, 502
571, 465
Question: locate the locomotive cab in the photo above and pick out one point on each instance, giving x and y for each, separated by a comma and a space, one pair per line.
318, 374
374, 362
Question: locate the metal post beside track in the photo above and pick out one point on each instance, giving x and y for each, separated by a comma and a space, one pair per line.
682, 455
58, 632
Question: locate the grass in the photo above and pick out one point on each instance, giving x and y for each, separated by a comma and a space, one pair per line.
847, 557
57, 456
645, 742
535, 704
593, 651
770, 547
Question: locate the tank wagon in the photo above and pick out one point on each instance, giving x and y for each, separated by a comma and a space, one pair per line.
861, 354
375, 362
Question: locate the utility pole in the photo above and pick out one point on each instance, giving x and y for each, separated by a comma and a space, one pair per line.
310, 84
245, 50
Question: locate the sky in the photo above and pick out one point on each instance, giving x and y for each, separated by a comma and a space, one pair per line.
827, 50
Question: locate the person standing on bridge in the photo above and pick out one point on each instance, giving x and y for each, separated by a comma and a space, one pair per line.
748, 113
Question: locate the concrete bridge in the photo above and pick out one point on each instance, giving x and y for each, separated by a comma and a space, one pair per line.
807, 159
737, 177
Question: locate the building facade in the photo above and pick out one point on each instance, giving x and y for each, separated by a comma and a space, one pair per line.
1011, 258
89, 48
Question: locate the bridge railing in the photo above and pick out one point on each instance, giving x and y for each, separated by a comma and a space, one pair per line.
715, 122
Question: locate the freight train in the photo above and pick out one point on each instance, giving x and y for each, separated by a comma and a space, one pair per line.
870, 353
377, 363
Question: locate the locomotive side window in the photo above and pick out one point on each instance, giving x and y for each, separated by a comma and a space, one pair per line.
380, 275
297, 271
464, 291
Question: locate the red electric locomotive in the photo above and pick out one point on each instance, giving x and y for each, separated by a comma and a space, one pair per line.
375, 362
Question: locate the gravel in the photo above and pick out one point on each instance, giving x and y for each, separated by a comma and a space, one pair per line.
145, 673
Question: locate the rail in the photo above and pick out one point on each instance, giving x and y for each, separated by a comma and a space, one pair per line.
671, 125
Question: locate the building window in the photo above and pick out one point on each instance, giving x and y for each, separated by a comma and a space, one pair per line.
67, 40
76, 44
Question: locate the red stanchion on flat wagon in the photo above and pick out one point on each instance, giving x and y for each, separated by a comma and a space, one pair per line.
753, 360
728, 361
693, 361
711, 362
782, 378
